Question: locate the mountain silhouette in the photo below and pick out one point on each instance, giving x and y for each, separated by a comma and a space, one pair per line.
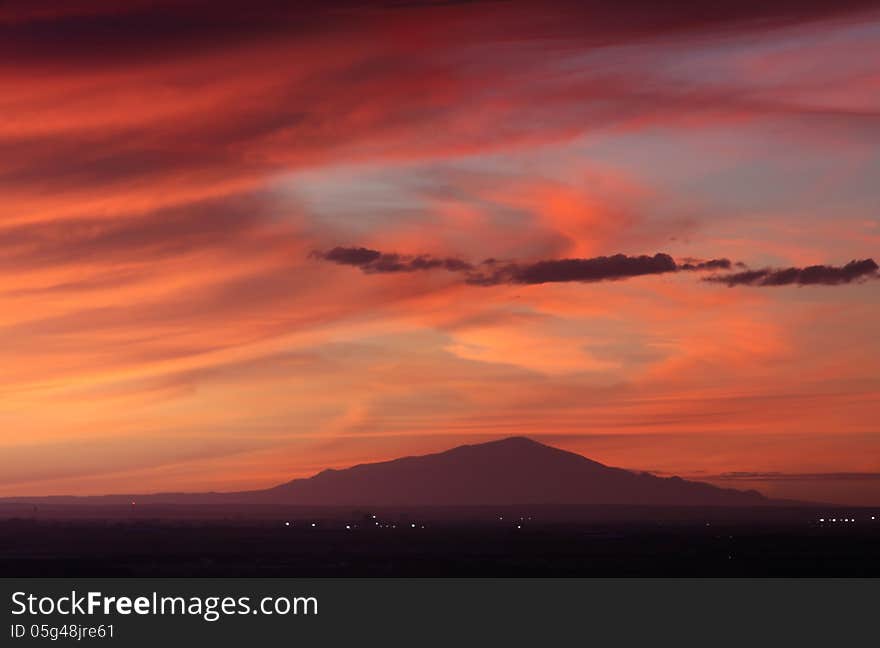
511, 471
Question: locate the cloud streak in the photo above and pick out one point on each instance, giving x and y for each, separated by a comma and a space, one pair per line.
815, 275
373, 261
492, 272
601, 268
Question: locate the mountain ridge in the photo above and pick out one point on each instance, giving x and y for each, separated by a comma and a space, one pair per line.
510, 471
513, 470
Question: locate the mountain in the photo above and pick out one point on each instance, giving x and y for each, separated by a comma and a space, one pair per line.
511, 471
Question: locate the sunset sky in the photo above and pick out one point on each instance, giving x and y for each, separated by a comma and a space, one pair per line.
243, 242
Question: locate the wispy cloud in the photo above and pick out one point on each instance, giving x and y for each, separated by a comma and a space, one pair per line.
373, 261
491, 272
814, 275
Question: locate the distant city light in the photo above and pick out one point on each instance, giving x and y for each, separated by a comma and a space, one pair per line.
287, 524
347, 526
519, 526
413, 526
313, 524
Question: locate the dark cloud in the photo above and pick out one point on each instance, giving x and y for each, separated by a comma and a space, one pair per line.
356, 256
493, 272
711, 264
373, 261
603, 268
809, 276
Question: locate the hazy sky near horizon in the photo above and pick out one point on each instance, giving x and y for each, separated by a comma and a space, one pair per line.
173, 176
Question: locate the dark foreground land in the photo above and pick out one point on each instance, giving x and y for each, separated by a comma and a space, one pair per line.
477, 542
